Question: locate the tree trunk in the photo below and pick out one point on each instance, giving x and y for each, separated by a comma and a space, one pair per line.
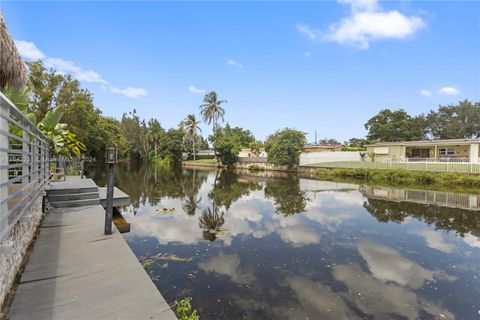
193, 143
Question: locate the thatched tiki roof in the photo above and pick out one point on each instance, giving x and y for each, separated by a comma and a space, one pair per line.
12, 69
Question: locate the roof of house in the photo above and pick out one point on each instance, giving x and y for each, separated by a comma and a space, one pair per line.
425, 142
324, 146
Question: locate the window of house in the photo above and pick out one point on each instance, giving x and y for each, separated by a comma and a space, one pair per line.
446, 151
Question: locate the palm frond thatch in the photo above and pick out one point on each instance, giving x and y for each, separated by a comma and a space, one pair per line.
12, 69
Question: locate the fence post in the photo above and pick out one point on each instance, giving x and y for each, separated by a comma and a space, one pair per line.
25, 154
4, 113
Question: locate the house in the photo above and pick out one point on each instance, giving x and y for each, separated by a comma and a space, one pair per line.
322, 148
461, 150
248, 153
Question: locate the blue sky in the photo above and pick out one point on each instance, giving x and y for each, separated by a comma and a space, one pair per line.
312, 65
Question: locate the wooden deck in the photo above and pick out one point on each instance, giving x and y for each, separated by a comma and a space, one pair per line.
77, 272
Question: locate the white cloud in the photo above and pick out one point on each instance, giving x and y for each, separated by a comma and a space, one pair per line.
29, 50
307, 31
425, 93
366, 23
228, 265
234, 63
130, 92
449, 91
436, 241
194, 89
69, 67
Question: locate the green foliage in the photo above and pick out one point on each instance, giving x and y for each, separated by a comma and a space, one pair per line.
353, 149
211, 222
288, 197
183, 310
395, 125
403, 177
284, 147
228, 142
228, 189
459, 121
455, 121
256, 147
356, 142
211, 109
190, 129
255, 168
328, 141
171, 145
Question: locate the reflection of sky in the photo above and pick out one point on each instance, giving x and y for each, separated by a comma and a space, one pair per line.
368, 268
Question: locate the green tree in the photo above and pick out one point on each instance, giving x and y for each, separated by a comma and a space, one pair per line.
285, 146
356, 142
171, 145
228, 142
211, 109
256, 147
395, 125
328, 141
154, 134
135, 132
460, 121
190, 128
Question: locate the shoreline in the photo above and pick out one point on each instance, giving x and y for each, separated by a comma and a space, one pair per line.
399, 178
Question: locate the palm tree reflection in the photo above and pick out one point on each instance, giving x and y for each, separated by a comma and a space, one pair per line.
211, 223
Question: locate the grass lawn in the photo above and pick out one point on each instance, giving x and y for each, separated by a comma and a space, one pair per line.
415, 166
204, 160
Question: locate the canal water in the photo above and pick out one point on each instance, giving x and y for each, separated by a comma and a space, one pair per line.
275, 246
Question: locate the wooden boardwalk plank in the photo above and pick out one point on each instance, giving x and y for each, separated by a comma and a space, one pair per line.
77, 272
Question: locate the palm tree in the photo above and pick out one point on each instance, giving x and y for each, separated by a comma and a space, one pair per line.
190, 126
154, 133
211, 109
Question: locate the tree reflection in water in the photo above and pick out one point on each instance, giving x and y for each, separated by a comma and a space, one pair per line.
288, 197
211, 222
461, 221
229, 187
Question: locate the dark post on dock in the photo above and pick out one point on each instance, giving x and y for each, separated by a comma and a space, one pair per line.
110, 160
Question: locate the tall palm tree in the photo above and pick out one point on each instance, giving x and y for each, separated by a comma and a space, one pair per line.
211, 109
190, 127
154, 133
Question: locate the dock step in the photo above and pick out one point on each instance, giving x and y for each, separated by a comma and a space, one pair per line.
75, 203
73, 196
56, 192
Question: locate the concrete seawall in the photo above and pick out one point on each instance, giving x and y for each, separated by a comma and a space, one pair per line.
257, 165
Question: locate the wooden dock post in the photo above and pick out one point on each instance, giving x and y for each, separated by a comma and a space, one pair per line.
111, 159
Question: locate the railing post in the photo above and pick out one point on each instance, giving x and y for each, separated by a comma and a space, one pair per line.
4, 113
25, 154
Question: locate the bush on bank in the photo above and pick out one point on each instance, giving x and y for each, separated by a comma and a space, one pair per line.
399, 176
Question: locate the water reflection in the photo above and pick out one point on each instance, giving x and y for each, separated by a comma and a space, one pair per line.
255, 246
211, 223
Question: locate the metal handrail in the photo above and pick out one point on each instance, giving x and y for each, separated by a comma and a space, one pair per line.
28, 154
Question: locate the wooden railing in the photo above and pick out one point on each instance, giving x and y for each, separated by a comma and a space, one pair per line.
24, 165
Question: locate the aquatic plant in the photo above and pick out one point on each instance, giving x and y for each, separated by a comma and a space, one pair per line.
183, 310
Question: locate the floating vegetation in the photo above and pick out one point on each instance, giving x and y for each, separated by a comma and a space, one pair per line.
165, 210
148, 260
